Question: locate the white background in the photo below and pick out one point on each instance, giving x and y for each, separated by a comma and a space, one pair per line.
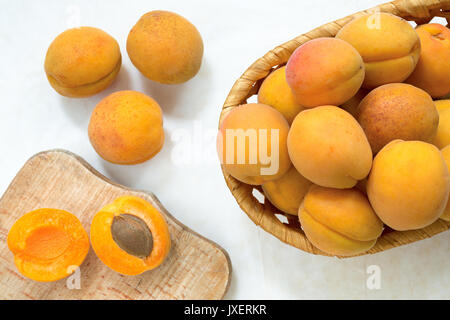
34, 118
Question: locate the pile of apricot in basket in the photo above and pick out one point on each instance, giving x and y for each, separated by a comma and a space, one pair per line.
347, 135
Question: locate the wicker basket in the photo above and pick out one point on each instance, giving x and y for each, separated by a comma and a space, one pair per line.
264, 215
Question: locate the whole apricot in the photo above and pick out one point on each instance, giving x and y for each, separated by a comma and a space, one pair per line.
397, 111
165, 47
251, 143
442, 138
324, 71
275, 92
126, 127
409, 184
446, 154
432, 71
328, 147
339, 222
287, 192
389, 46
351, 105
81, 62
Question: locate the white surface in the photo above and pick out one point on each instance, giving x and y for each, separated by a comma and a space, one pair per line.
33, 117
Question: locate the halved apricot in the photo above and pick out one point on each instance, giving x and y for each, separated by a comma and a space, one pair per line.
47, 243
130, 235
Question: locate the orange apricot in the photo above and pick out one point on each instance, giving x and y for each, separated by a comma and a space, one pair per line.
388, 44
126, 127
324, 71
432, 71
83, 61
251, 143
275, 92
165, 47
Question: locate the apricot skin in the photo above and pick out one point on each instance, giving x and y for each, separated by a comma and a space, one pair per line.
446, 154
339, 222
442, 138
324, 71
126, 127
409, 184
389, 46
328, 147
397, 111
249, 118
287, 192
165, 47
81, 62
432, 71
275, 92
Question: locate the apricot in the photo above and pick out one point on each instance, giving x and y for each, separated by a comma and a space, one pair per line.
165, 47
442, 104
287, 192
339, 222
397, 111
432, 71
446, 154
251, 143
328, 147
351, 105
275, 92
324, 71
442, 138
126, 127
409, 184
130, 235
47, 244
389, 46
83, 61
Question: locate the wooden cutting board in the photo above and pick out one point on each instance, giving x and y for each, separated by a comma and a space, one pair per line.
196, 268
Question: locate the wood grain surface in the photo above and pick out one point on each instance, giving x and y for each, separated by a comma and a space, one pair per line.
196, 268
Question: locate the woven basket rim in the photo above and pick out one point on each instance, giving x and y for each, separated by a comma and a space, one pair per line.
264, 214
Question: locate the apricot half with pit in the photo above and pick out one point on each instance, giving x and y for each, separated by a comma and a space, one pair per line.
130, 235
83, 61
47, 244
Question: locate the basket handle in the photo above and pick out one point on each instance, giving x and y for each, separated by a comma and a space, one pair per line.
422, 9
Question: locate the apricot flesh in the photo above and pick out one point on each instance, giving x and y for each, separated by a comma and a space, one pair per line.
446, 154
275, 92
126, 127
47, 243
165, 47
388, 44
442, 138
397, 111
339, 222
328, 147
251, 143
432, 71
324, 71
287, 192
408, 185
83, 61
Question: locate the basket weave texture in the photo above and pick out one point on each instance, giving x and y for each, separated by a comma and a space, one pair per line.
264, 214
